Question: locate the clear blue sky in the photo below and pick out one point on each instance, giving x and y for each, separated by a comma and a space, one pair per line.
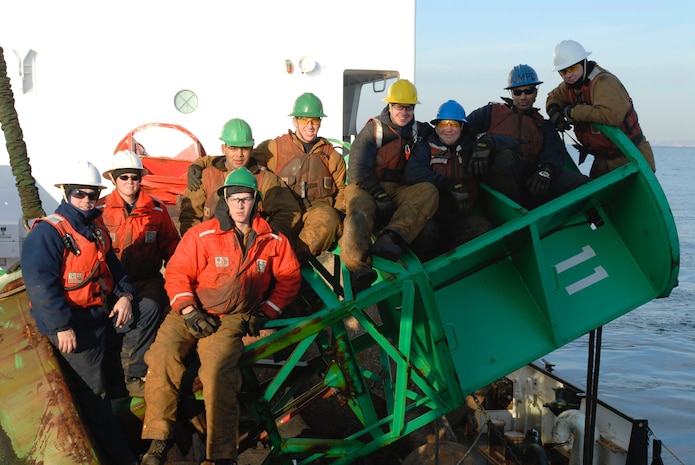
465, 50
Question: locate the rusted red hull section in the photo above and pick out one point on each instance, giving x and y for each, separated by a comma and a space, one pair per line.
38, 414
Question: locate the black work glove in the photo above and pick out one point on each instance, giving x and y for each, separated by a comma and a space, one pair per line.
385, 207
256, 322
480, 159
462, 199
557, 117
567, 111
200, 323
539, 183
195, 177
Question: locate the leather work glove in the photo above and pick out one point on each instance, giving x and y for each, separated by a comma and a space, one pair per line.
385, 207
462, 199
539, 183
557, 117
200, 323
195, 177
256, 322
480, 159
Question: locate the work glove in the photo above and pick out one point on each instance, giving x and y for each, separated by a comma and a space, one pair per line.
539, 183
480, 159
462, 199
195, 177
200, 323
567, 111
256, 322
557, 118
385, 207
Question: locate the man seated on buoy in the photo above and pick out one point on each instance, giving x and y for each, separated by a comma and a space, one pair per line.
377, 193
443, 161
279, 207
228, 276
314, 171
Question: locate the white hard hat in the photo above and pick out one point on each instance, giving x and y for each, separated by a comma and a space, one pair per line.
567, 53
83, 173
124, 159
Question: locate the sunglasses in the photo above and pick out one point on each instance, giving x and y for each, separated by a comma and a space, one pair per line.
447, 122
518, 92
570, 69
308, 119
133, 177
79, 194
399, 107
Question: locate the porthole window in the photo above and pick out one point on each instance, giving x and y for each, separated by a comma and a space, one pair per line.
186, 101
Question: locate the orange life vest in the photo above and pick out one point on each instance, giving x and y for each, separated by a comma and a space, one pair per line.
593, 140
393, 151
307, 174
87, 279
524, 128
451, 165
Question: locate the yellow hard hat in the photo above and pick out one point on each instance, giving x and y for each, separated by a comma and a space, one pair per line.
402, 91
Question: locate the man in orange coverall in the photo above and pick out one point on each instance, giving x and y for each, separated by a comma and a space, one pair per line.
228, 276
143, 237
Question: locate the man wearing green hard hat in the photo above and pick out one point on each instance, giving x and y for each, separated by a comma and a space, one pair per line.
313, 170
205, 174
227, 278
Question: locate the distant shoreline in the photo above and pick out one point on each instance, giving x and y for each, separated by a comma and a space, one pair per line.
669, 144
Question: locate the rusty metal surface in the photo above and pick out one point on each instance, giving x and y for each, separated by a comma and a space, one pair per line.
38, 414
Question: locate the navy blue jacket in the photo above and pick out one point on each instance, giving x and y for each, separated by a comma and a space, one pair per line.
42, 270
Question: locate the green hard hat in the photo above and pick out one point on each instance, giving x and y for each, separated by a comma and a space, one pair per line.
308, 105
242, 178
237, 133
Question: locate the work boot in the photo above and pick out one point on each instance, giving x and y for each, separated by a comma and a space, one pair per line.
361, 279
135, 386
387, 246
156, 454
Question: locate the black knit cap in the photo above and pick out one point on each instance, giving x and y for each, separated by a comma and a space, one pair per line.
238, 190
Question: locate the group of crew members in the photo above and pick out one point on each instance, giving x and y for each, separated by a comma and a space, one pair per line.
251, 217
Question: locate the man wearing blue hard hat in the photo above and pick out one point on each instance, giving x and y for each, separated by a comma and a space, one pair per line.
531, 173
443, 161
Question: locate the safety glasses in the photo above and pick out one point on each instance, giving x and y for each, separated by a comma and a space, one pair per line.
79, 194
570, 69
132, 177
448, 122
518, 92
305, 120
399, 107
240, 200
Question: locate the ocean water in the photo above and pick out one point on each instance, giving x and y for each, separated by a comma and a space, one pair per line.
648, 355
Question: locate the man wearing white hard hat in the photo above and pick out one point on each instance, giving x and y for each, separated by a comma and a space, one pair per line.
77, 288
143, 237
590, 94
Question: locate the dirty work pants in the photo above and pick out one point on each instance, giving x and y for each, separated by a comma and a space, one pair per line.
416, 204
602, 166
219, 374
510, 172
321, 228
446, 231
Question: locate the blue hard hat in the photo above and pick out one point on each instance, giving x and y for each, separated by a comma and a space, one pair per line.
522, 75
452, 110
